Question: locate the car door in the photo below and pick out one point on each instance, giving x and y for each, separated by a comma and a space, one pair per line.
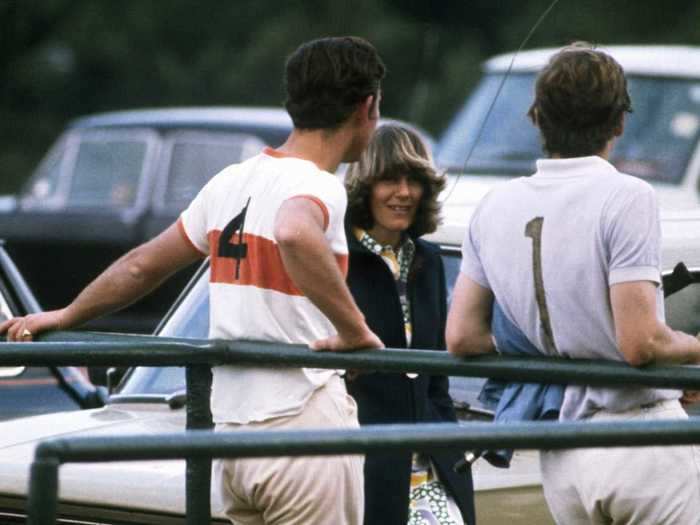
26, 391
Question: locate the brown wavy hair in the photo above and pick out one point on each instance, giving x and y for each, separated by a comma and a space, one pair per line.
394, 151
580, 98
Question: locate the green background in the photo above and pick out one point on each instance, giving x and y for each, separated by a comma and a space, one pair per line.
64, 58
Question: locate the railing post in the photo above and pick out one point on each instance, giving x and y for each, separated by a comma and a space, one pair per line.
42, 502
198, 478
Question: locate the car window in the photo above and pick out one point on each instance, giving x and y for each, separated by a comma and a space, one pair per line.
98, 168
659, 139
683, 309
191, 320
107, 172
451, 260
197, 156
43, 187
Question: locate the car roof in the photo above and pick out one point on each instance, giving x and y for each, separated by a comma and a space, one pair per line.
670, 61
215, 116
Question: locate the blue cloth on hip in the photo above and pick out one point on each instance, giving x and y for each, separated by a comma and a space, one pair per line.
516, 401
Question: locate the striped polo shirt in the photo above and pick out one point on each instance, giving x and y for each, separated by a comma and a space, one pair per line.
251, 295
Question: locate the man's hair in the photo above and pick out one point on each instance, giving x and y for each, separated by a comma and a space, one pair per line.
327, 78
580, 97
394, 151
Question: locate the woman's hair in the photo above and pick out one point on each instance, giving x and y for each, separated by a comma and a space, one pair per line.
394, 151
580, 97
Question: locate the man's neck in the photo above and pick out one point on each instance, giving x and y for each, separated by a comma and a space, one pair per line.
603, 154
324, 148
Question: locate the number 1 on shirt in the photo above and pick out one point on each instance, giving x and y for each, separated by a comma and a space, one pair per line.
235, 250
533, 229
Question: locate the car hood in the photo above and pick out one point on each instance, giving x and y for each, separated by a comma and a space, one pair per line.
140, 483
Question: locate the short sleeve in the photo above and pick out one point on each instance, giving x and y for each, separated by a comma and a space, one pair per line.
633, 237
471, 260
328, 193
193, 221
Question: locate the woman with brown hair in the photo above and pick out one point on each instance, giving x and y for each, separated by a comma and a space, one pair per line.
398, 281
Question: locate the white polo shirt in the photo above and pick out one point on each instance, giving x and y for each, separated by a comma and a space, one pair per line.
550, 245
251, 295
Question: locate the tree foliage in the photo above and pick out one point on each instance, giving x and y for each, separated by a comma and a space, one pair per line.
64, 58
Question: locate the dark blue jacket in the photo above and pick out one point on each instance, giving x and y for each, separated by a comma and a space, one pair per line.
393, 397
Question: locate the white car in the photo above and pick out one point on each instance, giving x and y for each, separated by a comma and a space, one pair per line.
661, 143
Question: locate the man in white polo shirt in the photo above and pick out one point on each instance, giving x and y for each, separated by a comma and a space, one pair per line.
273, 229
572, 257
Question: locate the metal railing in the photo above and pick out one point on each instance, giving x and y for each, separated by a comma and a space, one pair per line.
83, 349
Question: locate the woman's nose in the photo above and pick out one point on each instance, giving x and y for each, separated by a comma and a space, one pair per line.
403, 189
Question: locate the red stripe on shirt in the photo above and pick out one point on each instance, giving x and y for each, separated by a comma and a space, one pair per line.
261, 267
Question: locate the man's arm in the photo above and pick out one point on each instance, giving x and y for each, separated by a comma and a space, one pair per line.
310, 263
129, 278
641, 337
468, 329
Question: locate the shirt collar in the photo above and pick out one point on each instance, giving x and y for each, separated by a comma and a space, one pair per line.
366, 240
574, 167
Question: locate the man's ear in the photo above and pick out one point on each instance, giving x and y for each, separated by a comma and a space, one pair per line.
370, 106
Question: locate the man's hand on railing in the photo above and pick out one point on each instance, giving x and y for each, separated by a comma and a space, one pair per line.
690, 397
346, 343
25, 328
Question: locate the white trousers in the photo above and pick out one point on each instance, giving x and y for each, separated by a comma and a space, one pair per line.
314, 490
625, 486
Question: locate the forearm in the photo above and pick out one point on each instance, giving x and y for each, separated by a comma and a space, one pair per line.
123, 283
670, 347
641, 337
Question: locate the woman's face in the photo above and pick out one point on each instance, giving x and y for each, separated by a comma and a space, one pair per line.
393, 203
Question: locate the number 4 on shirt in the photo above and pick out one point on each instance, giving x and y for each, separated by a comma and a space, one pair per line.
231, 241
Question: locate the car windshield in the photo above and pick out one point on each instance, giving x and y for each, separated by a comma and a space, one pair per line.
95, 168
659, 139
190, 319
196, 156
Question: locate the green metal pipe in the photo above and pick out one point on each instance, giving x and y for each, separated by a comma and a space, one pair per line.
468, 436
42, 501
198, 471
69, 348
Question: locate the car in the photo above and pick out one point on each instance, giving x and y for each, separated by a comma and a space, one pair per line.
26, 391
114, 180
148, 401
661, 143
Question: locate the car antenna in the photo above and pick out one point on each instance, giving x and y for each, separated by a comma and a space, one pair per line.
498, 92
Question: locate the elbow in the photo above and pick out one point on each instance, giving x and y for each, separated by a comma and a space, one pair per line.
454, 342
639, 353
287, 235
139, 267
462, 345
